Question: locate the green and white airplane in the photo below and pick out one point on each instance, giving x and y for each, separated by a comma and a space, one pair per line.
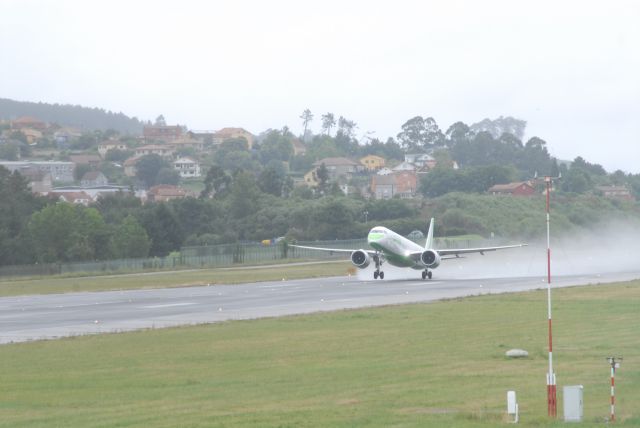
399, 251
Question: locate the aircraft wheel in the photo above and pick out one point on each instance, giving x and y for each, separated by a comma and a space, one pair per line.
381, 275
430, 274
424, 274
375, 275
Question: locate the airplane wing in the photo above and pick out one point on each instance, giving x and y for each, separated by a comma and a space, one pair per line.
333, 250
481, 250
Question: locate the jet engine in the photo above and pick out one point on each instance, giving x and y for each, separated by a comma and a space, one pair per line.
360, 258
430, 258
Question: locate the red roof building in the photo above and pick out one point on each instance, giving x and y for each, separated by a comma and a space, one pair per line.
520, 188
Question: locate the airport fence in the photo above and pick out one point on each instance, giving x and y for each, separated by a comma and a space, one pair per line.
213, 256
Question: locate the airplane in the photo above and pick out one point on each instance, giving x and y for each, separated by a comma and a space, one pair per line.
399, 251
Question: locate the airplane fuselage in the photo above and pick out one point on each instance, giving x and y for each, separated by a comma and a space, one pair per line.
396, 248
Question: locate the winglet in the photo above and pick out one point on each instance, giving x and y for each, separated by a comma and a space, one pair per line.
429, 243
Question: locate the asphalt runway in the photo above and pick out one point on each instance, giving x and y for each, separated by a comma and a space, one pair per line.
53, 316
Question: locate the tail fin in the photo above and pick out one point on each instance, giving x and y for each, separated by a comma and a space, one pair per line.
429, 243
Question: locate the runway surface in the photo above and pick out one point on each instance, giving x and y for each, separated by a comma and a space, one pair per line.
59, 315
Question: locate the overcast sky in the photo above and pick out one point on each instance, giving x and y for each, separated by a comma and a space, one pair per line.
571, 69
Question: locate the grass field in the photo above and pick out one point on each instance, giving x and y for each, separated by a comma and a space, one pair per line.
428, 365
66, 284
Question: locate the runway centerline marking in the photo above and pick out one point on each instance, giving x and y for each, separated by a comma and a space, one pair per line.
169, 305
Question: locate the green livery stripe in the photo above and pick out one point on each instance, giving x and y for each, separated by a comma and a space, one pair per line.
375, 236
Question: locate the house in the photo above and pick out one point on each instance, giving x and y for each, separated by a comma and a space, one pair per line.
106, 146
91, 160
299, 148
162, 133
225, 134
311, 178
80, 198
616, 192
32, 135
418, 159
94, 178
65, 134
187, 167
94, 192
519, 188
130, 166
39, 181
404, 166
155, 149
373, 162
205, 136
424, 162
339, 167
402, 184
187, 143
59, 171
384, 171
165, 192
28, 122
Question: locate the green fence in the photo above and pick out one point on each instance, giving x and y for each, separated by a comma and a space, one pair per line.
213, 256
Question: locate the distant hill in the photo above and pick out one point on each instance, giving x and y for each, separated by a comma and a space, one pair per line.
84, 118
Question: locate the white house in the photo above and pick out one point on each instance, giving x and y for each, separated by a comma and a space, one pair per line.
187, 167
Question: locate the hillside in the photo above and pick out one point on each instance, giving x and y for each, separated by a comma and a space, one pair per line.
84, 118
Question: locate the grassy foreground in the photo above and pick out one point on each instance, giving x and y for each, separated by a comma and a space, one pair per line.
433, 365
48, 285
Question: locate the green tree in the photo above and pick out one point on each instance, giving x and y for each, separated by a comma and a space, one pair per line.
420, 134
19, 136
163, 228
148, 167
458, 132
328, 122
347, 127
272, 181
129, 239
216, 183
115, 207
322, 173
17, 204
276, 146
160, 121
306, 117
167, 175
80, 171
9, 151
64, 232
244, 195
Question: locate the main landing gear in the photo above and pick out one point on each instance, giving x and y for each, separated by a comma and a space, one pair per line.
378, 273
427, 273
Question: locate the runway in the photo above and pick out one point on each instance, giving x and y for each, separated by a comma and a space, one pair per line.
29, 318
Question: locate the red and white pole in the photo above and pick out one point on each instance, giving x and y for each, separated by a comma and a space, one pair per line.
613, 393
615, 363
551, 377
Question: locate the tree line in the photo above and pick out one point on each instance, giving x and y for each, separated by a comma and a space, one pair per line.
83, 118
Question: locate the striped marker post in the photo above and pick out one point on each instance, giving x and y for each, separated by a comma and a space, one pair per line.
552, 405
614, 362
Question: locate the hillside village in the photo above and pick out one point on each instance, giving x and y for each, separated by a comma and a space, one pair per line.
78, 167
81, 176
